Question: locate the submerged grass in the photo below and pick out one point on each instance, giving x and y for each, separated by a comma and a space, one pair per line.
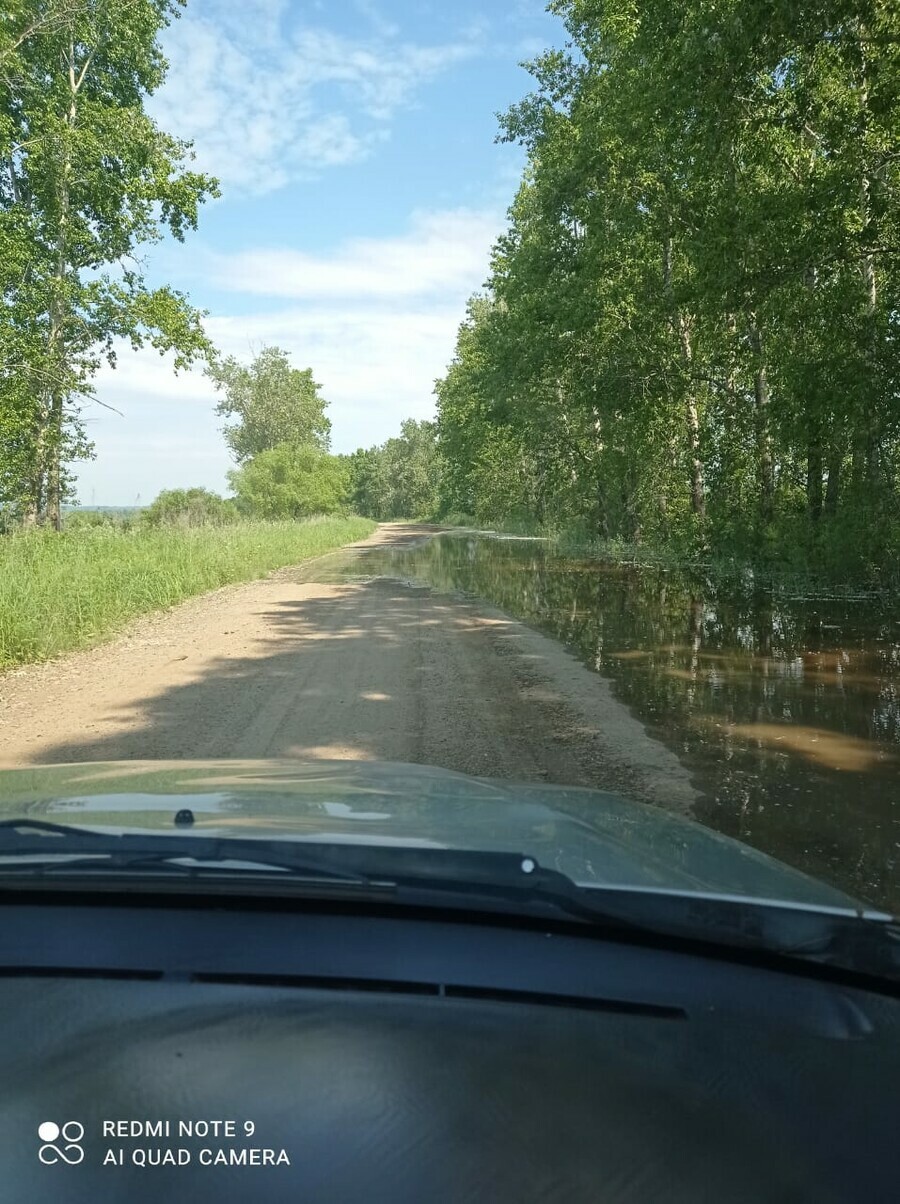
770, 573
66, 591
773, 572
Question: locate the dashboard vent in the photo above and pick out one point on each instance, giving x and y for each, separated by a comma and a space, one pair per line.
382, 986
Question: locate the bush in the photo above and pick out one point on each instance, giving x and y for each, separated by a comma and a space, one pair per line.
189, 508
291, 481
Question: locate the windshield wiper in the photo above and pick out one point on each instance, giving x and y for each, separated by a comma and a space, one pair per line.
45, 848
865, 943
39, 849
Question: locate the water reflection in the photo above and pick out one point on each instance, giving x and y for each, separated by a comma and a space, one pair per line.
834, 750
786, 710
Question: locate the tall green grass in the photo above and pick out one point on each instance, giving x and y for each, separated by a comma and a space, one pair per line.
59, 592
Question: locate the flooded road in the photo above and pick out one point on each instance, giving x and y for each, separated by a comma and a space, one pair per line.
785, 709
318, 662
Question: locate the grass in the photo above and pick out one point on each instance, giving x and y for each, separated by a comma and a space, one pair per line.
60, 592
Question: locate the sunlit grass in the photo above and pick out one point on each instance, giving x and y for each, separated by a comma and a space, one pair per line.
59, 592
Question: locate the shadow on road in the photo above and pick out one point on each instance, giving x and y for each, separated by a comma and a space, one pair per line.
373, 670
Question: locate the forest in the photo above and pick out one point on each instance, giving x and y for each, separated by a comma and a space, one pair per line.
688, 337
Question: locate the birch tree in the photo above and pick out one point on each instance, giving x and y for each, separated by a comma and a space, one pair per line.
691, 326
88, 178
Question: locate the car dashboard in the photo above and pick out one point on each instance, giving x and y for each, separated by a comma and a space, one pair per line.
228, 1049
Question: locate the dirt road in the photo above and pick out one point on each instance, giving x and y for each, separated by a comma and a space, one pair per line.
378, 669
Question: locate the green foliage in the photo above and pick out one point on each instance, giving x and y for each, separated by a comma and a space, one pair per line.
87, 178
272, 403
399, 479
189, 508
59, 592
291, 481
456, 518
689, 335
366, 485
412, 465
111, 519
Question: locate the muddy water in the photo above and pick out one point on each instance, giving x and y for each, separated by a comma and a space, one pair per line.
785, 709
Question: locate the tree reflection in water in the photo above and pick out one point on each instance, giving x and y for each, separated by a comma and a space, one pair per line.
785, 709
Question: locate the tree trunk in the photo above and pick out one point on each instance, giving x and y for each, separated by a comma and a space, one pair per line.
865, 444
833, 488
814, 466
762, 397
698, 492
814, 456
51, 444
866, 440
632, 514
58, 314
602, 507
54, 490
602, 512
691, 408
45, 502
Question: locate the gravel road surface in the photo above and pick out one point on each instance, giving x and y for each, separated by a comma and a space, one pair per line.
380, 668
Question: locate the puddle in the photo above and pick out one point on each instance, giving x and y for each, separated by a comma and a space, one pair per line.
786, 711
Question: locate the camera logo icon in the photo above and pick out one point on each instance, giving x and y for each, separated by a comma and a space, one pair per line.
60, 1143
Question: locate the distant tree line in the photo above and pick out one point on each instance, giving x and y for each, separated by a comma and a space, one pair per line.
401, 478
691, 328
281, 439
279, 435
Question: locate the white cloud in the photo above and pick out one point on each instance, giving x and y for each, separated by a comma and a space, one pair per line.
266, 101
376, 321
146, 373
373, 14
530, 48
443, 252
165, 436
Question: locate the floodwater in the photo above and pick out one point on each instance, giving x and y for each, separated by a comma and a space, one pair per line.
785, 709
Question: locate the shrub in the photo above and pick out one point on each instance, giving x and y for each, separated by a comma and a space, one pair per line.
291, 481
189, 508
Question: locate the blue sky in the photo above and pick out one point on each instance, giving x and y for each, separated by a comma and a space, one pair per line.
361, 192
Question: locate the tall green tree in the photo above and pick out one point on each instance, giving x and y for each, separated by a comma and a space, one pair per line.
88, 178
271, 402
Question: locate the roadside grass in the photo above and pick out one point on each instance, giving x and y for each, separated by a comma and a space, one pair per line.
67, 591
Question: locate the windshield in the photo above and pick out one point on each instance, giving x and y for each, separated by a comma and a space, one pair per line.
453, 428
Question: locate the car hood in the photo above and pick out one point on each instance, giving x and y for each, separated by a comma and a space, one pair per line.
594, 837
